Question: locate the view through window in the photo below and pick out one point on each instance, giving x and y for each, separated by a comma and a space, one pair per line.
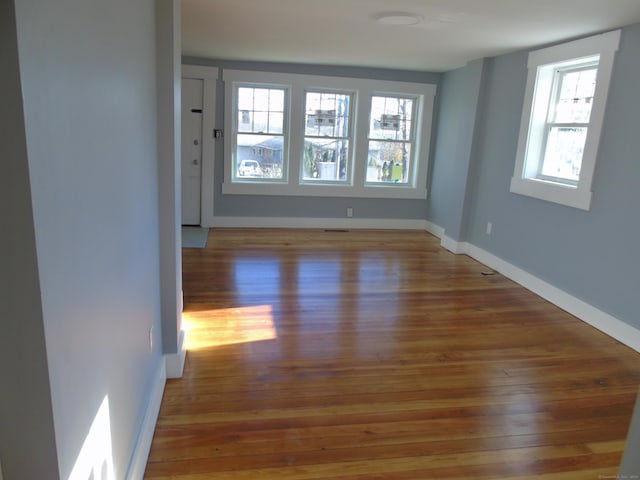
568, 123
390, 139
326, 136
261, 131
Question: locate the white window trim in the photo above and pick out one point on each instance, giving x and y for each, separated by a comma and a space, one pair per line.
524, 182
362, 90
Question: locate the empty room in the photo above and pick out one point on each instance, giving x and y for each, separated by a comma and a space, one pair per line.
347, 239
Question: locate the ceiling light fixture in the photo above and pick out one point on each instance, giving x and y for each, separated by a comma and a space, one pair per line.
399, 18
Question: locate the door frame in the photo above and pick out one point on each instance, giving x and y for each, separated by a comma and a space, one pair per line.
209, 77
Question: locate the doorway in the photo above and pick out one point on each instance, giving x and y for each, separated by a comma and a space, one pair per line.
197, 151
191, 150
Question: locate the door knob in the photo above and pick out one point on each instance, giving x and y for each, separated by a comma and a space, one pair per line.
195, 142
195, 161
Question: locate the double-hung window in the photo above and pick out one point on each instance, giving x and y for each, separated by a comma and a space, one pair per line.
307, 135
260, 133
562, 117
327, 137
568, 122
390, 154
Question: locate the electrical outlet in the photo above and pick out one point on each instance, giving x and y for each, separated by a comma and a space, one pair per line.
349, 212
489, 228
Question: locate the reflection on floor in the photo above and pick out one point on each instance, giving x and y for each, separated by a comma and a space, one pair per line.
377, 354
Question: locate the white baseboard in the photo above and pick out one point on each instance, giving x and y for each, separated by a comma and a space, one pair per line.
303, 222
621, 331
172, 366
453, 245
174, 362
143, 443
435, 230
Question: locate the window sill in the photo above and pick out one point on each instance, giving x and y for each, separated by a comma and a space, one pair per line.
325, 190
567, 195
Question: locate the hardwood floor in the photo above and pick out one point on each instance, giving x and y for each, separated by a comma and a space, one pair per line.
379, 355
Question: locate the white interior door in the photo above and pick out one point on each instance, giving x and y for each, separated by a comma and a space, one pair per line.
191, 150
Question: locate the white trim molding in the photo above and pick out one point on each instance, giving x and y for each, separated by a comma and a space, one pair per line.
305, 222
543, 66
174, 362
453, 245
606, 323
435, 230
142, 445
171, 366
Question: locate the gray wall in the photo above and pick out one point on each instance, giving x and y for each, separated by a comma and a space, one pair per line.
459, 101
89, 86
310, 207
591, 255
169, 137
26, 417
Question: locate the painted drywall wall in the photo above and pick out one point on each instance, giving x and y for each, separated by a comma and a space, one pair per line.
26, 416
459, 98
89, 86
310, 207
591, 255
168, 98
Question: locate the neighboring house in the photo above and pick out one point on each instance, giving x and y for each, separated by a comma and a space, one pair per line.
88, 293
267, 152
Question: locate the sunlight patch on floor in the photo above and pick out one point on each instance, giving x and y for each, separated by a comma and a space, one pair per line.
229, 326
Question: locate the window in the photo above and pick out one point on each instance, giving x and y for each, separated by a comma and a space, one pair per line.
306, 135
568, 123
259, 133
389, 157
327, 153
563, 112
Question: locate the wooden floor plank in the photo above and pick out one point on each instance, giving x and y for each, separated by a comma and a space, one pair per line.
379, 355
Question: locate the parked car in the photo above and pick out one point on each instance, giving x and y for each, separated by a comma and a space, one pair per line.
249, 168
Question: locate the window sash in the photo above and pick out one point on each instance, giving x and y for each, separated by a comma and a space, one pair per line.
392, 117
544, 165
272, 155
567, 171
316, 163
317, 166
392, 172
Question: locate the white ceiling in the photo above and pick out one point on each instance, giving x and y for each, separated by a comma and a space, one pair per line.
345, 32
